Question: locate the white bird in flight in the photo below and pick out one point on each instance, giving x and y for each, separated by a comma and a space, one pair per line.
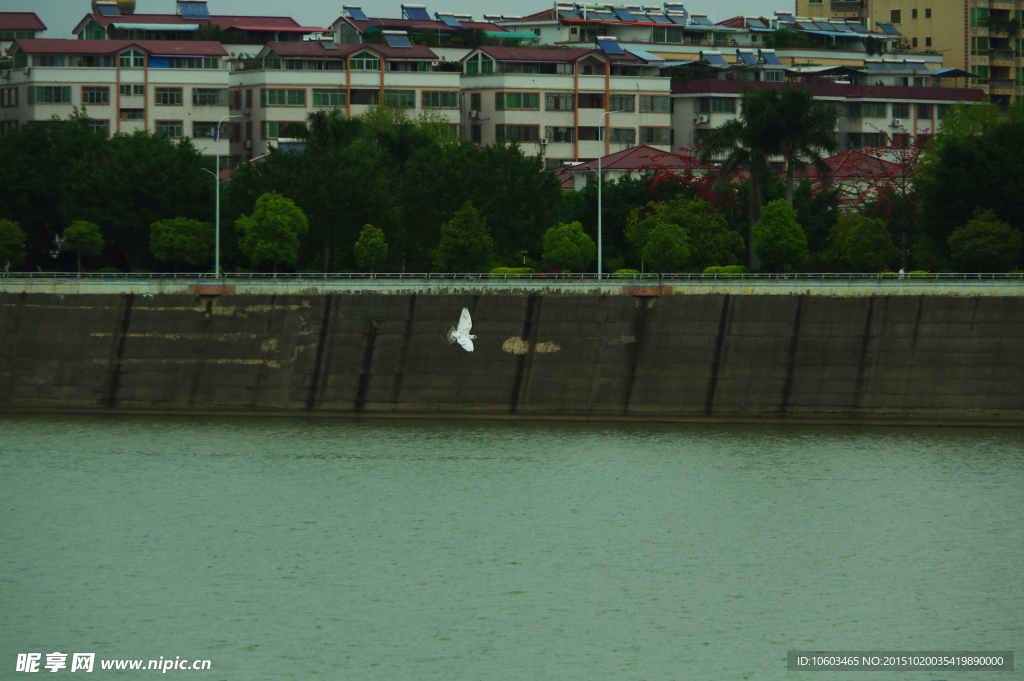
461, 334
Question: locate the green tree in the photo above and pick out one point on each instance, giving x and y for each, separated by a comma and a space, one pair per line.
668, 248
12, 241
779, 239
569, 246
371, 248
466, 243
82, 238
271, 234
182, 241
862, 244
706, 232
785, 122
985, 244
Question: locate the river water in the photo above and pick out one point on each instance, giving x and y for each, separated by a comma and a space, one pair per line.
285, 549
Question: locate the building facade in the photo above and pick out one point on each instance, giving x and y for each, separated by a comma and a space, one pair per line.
983, 37
179, 89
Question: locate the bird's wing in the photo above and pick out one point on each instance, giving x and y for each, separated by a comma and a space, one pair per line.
465, 322
449, 335
465, 342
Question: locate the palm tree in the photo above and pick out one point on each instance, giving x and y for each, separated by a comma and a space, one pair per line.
772, 122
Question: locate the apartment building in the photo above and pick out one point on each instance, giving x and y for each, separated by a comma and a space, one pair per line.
980, 36
15, 25
175, 88
353, 26
868, 114
286, 81
556, 101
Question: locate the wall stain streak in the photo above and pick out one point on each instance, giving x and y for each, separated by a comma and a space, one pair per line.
716, 361
318, 368
787, 390
400, 369
862, 363
115, 374
364, 377
917, 321
634, 351
525, 361
200, 354
603, 306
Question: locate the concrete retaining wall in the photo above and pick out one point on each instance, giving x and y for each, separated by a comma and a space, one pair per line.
868, 358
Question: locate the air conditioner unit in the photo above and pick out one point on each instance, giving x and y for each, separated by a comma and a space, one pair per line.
703, 119
248, 112
543, 140
5, 75
897, 123
28, 70
248, 144
475, 115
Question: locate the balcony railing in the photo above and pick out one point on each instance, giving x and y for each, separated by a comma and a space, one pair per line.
1002, 84
847, 5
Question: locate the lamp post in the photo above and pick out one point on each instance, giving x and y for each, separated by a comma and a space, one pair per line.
216, 177
600, 204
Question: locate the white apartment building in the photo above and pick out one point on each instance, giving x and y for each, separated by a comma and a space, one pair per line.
556, 101
175, 88
287, 81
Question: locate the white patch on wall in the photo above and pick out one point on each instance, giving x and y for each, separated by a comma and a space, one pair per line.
518, 346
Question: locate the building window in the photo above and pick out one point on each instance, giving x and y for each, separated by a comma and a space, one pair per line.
476, 101
133, 59
900, 110
504, 101
866, 110
48, 60
517, 133
927, 42
400, 99
9, 97
558, 102
478, 63
774, 76
927, 13
913, 14
559, 135
101, 127
655, 135
209, 96
172, 129
440, 100
248, 99
476, 134
717, 105
979, 17
168, 96
248, 130
924, 111
7, 127
655, 104
270, 130
270, 97
185, 63
896, 16
979, 46
95, 95
133, 90
133, 114
332, 98
622, 103
49, 95
913, 42
204, 130
365, 61
668, 34
626, 135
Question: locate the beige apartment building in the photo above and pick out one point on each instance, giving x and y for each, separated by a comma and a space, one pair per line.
980, 36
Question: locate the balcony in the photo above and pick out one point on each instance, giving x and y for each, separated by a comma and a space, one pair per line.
1001, 58
1002, 86
847, 6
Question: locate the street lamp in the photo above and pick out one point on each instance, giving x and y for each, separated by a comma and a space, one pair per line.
600, 204
216, 177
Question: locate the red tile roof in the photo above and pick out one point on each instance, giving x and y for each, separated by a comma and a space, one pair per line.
170, 48
848, 165
20, 21
280, 24
318, 51
642, 157
886, 92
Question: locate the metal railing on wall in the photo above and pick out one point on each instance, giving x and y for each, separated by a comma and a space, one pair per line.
829, 277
